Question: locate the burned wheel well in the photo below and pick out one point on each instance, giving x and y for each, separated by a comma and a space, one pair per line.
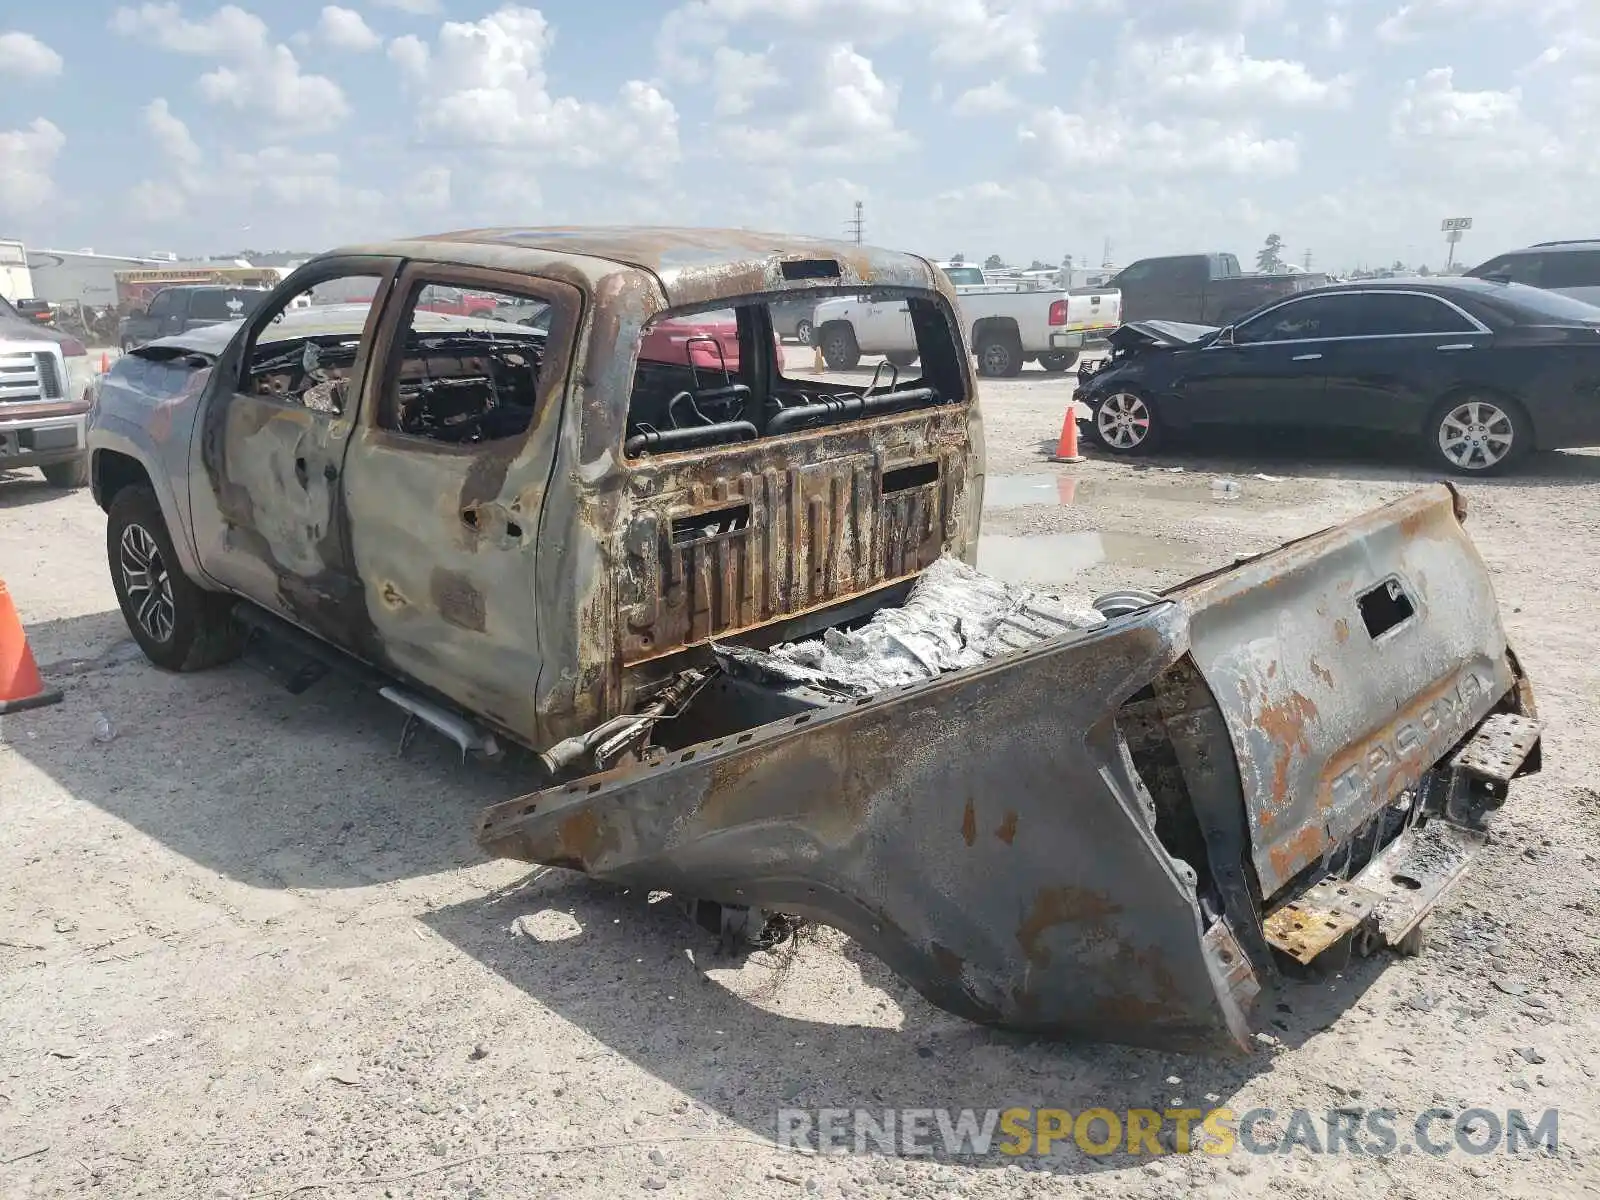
113, 471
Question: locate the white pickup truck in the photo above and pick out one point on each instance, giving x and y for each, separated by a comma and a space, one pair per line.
1005, 328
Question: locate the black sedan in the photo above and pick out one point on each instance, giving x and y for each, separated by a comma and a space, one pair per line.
1475, 373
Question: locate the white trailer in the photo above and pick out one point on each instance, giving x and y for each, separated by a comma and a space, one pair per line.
15, 281
81, 276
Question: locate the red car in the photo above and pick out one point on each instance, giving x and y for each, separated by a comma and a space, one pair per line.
696, 342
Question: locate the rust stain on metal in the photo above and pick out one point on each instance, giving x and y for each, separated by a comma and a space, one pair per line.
391, 595
1321, 672
585, 837
1285, 723
1291, 855
1341, 631
1007, 832
457, 599
1063, 905
969, 824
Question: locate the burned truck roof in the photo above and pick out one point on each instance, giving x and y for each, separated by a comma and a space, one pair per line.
693, 266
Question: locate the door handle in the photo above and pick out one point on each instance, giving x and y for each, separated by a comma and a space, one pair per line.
1306, 357
1457, 346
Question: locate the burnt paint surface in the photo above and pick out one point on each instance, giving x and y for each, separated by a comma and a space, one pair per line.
1328, 723
984, 834
517, 616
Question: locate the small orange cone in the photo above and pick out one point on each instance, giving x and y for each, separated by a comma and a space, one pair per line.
105, 361
1067, 447
818, 363
20, 685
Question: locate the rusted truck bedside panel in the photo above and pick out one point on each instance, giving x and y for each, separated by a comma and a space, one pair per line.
984, 834
1117, 835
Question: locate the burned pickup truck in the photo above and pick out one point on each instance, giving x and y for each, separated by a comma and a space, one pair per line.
649, 570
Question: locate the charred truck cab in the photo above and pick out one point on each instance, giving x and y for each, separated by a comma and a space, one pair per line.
581, 513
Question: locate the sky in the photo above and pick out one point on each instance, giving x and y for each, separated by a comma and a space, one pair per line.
1024, 128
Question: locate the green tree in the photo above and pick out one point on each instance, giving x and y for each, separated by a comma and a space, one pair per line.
958, 259
1269, 259
993, 263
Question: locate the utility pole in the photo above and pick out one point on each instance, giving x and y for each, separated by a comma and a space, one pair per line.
1308, 260
1105, 257
857, 223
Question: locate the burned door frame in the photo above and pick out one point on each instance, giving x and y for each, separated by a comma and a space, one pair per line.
266, 491
445, 537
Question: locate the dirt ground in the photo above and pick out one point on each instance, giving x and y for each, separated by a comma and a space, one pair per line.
245, 950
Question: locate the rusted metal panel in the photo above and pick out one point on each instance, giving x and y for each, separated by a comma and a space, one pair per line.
985, 834
699, 265
1330, 721
817, 528
1320, 917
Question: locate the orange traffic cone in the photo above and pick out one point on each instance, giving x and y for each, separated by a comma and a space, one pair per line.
105, 361
20, 685
1067, 447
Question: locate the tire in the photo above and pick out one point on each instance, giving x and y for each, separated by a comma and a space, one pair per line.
802, 333
999, 356
901, 358
74, 474
1477, 433
839, 348
178, 624
1056, 363
1125, 422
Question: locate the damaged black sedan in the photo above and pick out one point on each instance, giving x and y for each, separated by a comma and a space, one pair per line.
1474, 373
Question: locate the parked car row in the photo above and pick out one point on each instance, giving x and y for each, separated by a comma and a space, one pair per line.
1477, 372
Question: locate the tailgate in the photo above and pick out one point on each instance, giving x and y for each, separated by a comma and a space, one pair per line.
1345, 665
1116, 834
1094, 308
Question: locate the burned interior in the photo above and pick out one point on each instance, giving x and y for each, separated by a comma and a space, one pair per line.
715, 375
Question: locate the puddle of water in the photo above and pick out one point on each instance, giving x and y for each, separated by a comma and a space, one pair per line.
1062, 557
1018, 491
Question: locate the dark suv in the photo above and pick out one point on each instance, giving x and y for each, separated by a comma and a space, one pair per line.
1571, 268
175, 309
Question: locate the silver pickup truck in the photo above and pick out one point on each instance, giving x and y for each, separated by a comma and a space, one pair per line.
562, 526
45, 377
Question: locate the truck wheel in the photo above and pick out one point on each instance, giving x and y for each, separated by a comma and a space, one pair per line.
74, 474
901, 358
1477, 433
1055, 363
839, 348
178, 624
802, 332
999, 356
1125, 423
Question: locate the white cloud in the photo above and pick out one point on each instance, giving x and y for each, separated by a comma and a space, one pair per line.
987, 100
1472, 132
344, 29
230, 32
1423, 18
255, 75
850, 116
1217, 73
484, 82
410, 54
1335, 29
155, 201
962, 32
30, 157
429, 189
738, 76
419, 7
170, 133
1110, 143
25, 56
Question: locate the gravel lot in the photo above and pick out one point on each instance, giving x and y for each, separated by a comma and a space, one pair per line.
246, 951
